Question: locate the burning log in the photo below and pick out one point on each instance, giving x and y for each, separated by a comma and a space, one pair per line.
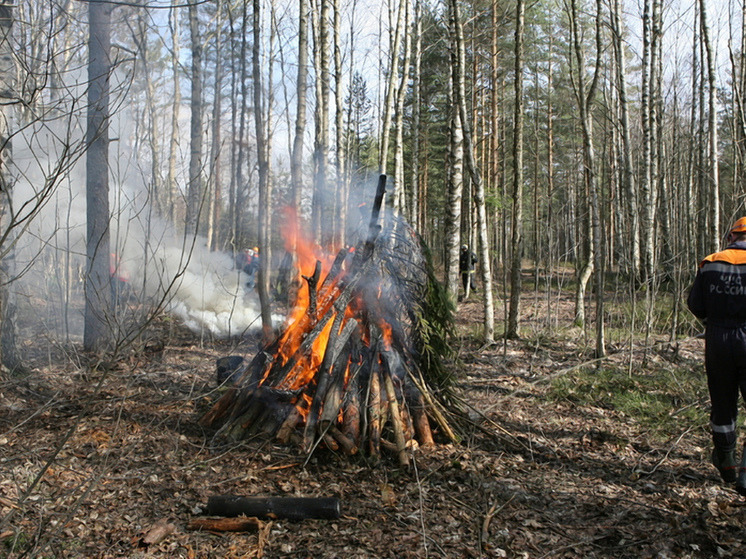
344, 372
313, 281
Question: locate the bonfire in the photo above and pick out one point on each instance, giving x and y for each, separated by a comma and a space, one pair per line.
352, 369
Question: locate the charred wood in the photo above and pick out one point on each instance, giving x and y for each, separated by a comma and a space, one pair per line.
313, 283
227, 369
288, 426
337, 340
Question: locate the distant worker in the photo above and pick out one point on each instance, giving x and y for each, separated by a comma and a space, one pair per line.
119, 279
718, 297
248, 262
466, 261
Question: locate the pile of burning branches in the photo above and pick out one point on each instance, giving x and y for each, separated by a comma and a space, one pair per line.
347, 371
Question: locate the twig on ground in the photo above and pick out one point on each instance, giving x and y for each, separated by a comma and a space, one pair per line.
665, 457
494, 509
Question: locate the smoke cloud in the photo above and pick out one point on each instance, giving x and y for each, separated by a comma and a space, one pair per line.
161, 266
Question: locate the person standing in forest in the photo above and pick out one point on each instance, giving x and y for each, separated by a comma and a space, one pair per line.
466, 261
718, 297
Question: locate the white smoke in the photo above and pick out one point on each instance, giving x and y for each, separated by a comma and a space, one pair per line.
200, 287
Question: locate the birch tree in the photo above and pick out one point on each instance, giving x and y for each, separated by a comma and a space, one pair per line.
320, 21
585, 93
214, 209
342, 184
173, 143
414, 189
455, 187
476, 178
392, 79
628, 175
240, 187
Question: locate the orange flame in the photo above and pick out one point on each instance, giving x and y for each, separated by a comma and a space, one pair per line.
308, 254
300, 323
387, 334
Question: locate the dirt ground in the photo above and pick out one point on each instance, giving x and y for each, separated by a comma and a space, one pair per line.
95, 464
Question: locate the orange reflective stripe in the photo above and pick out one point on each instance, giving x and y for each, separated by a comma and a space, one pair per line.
731, 256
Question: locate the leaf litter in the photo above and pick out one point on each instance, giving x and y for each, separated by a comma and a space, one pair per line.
114, 464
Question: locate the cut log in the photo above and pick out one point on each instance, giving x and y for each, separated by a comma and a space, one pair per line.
291, 508
351, 405
374, 413
348, 445
291, 421
337, 340
419, 417
241, 524
396, 424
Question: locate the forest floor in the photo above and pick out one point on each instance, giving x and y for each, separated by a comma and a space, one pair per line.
566, 457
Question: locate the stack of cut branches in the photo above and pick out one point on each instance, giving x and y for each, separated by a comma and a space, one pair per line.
345, 372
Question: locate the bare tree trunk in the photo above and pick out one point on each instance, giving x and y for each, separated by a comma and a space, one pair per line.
692, 190
296, 157
398, 194
323, 89
194, 188
9, 354
265, 210
414, 197
578, 77
713, 173
342, 184
140, 37
585, 96
97, 332
628, 176
240, 225
517, 217
739, 115
495, 159
476, 178
213, 223
647, 189
455, 165
391, 85
549, 238
174, 138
